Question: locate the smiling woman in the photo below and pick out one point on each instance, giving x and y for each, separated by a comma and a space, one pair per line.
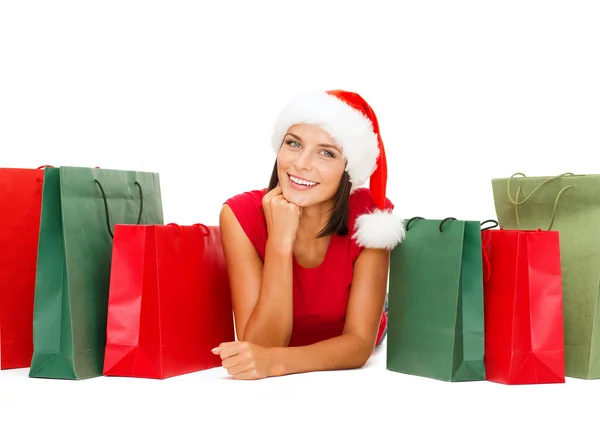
308, 256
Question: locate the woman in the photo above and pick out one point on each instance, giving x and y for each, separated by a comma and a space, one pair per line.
308, 257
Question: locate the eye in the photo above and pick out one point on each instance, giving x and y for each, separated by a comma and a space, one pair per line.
293, 143
329, 154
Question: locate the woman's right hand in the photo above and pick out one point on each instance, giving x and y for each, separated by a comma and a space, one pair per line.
282, 218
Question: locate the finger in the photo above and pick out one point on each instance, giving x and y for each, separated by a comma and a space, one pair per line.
225, 346
268, 198
228, 352
279, 199
245, 375
276, 191
237, 369
231, 361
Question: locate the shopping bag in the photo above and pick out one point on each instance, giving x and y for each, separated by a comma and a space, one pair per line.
20, 203
169, 301
569, 204
435, 306
524, 342
80, 207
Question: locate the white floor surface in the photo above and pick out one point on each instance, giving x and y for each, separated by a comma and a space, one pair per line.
367, 402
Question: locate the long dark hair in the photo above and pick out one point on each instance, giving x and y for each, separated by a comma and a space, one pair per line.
338, 223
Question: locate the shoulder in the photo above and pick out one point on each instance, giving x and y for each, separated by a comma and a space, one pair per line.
247, 210
247, 200
247, 206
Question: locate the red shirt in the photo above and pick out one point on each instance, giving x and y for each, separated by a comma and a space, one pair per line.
321, 293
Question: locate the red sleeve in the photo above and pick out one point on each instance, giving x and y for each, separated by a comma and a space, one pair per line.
247, 208
361, 202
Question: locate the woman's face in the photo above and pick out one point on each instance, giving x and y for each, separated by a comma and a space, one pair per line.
309, 165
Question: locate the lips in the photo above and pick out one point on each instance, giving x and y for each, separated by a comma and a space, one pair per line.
300, 183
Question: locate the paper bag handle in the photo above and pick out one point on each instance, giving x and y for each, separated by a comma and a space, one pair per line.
485, 257
516, 201
106, 205
489, 221
41, 180
416, 218
204, 228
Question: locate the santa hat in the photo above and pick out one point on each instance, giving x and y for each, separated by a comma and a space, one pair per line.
352, 123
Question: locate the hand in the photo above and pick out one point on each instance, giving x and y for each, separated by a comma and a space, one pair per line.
245, 361
282, 217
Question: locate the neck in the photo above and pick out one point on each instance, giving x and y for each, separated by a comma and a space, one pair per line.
314, 219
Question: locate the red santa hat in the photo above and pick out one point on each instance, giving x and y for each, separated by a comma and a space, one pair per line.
352, 123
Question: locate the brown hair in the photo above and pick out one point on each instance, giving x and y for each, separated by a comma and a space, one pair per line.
338, 223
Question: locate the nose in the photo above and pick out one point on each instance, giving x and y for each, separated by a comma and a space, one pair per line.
304, 160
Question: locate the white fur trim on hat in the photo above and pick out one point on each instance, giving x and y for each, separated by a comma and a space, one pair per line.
350, 128
379, 229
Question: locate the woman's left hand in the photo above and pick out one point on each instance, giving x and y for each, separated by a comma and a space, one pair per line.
245, 361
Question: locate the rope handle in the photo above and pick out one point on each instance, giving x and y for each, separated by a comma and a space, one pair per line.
203, 228
554, 207
516, 201
489, 221
484, 244
139, 219
40, 179
446, 220
416, 218
176, 226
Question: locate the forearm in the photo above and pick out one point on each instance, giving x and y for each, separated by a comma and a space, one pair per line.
271, 321
342, 352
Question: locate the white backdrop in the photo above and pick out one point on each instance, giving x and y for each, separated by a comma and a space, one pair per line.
465, 91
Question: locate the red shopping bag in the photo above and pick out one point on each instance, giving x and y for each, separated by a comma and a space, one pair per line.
169, 301
524, 341
20, 204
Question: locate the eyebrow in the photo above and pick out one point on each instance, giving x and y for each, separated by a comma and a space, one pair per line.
325, 145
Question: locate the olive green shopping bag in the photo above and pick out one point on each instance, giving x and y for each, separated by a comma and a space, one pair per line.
80, 207
569, 204
435, 314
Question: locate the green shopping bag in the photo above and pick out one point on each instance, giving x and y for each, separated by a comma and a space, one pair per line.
569, 204
435, 313
80, 207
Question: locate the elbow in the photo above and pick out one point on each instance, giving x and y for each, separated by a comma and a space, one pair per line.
361, 360
273, 339
363, 351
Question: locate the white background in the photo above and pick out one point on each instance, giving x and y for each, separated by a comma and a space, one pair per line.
465, 91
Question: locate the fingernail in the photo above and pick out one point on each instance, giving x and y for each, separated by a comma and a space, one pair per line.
215, 350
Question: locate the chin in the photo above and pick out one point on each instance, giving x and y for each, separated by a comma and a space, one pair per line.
298, 198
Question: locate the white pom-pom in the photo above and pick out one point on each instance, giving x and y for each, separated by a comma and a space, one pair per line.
379, 229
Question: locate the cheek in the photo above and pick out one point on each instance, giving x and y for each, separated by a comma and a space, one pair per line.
331, 175
283, 160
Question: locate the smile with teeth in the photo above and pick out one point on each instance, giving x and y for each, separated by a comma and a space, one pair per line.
302, 182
